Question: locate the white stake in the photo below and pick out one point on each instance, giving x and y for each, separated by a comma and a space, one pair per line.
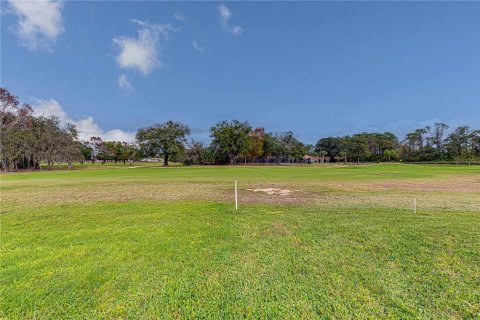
414, 205
236, 197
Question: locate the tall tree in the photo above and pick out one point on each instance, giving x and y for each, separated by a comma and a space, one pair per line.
255, 143
230, 138
358, 146
87, 151
439, 129
293, 148
194, 152
98, 149
331, 145
390, 154
475, 142
459, 143
272, 147
163, 139
16, 137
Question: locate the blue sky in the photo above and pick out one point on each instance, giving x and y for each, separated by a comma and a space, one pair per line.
316, 68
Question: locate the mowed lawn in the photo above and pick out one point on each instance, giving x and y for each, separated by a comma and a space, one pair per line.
120, 243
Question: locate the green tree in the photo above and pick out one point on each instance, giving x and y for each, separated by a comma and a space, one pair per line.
87, 151
437, 137
293, 148
475, 142
129, 153
333, 146
272, 147
208, 156
358, 146
390, 154
230, 139
163, 139
256, 139
459, 143
194, 152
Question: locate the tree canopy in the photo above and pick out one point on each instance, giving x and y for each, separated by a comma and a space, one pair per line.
27, 140
163, 139
230, 139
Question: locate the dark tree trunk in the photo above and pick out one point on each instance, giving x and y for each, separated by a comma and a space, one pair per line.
165, 160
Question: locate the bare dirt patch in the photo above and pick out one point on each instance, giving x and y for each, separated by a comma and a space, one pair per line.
272, 191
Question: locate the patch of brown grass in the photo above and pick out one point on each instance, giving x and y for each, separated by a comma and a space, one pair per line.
452, 193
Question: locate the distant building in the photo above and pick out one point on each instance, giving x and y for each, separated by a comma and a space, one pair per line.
316, 159
152, 160
311, 159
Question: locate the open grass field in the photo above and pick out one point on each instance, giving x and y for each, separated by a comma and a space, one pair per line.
307, 242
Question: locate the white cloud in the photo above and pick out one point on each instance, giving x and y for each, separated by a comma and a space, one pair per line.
39, 22
197, 47
180, 16
87, 127
124, 84
143, 53
225, 14
118, 135
50, 108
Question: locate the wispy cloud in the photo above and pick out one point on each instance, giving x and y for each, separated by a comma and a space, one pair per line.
197, 47
143, 52
179, 16
124, 84
224, 15
87, 127
39, 22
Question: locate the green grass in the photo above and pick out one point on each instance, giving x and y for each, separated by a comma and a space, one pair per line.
157, 258
249, 173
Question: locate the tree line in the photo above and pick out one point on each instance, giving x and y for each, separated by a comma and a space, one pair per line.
27, 140
431, 143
